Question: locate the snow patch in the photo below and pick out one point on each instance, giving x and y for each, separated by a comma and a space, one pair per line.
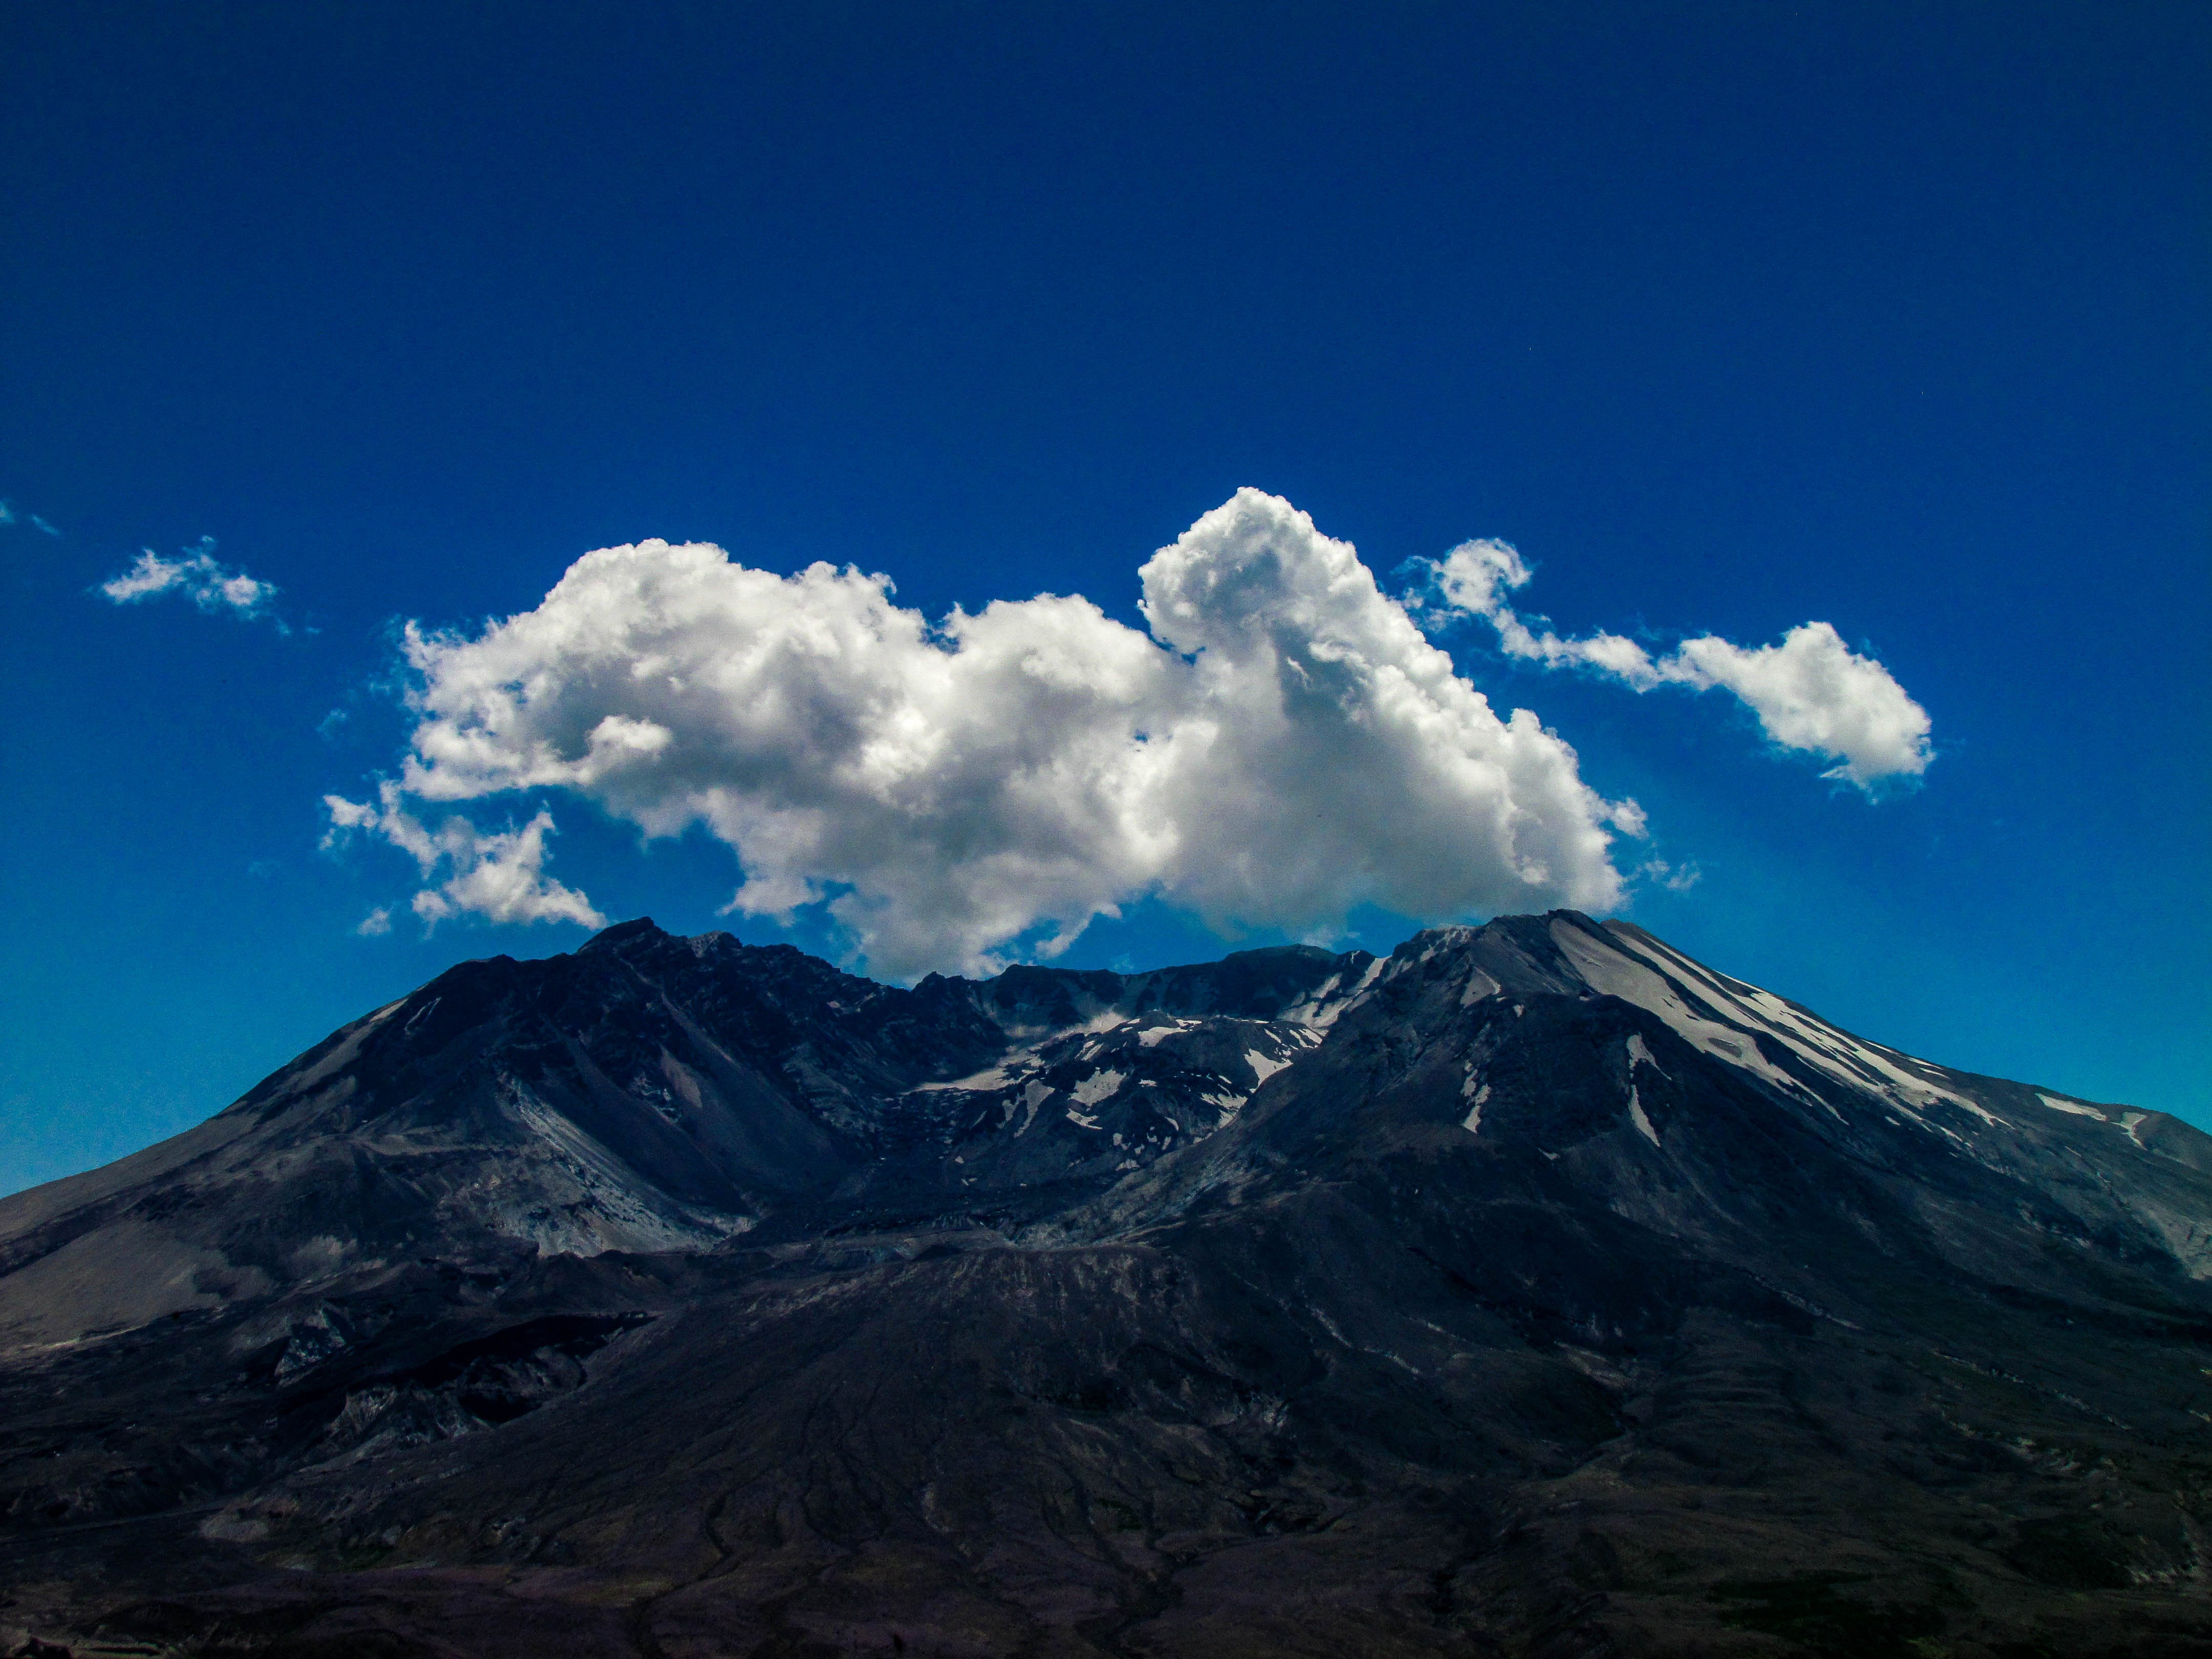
1643, 1123
1639, 1054
1227, 1104
1473, 1122
1319, 1012
2074, 1107
1098, 1086
1032, 1098
1262, 1067
1300, 1012
1866, 1067
1006, 1070
1616, 974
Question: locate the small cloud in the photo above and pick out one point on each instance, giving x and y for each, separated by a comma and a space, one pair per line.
497, 875
376, 922
1674, 877
7, 513
42, 525
1810, 692
198, 576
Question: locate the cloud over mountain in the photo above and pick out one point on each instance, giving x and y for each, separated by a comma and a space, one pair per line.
1810, 692
499, 874
1282, 745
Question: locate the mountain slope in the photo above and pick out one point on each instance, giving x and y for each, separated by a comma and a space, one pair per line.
651, 1093
1534, 1290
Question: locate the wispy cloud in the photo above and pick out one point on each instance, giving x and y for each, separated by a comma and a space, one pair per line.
10, 514
1674, 877
195, 573
1810, 692
499, 875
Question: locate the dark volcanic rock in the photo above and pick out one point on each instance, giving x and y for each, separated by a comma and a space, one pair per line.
1534, 1290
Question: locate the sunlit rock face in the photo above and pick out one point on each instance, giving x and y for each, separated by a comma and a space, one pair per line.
1534, 1289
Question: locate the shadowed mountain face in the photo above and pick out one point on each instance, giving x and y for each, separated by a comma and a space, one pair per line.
1533, 1291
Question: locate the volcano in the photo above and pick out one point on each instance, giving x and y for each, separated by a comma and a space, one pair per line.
1534, 1290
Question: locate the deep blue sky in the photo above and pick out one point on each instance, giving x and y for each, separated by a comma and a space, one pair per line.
1729, 316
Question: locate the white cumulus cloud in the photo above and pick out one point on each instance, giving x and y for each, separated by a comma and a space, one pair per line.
1281, 746
1810, 692
196, 574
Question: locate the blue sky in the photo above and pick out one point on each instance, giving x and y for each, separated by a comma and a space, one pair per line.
1727, 317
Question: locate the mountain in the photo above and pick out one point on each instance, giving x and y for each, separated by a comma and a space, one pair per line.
1532, 1290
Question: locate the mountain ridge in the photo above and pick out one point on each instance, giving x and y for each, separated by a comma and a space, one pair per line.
1276, 1305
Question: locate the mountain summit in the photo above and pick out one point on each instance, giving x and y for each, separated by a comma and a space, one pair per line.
1533, 1290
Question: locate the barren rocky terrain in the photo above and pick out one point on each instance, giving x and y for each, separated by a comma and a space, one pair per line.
1534, 1290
